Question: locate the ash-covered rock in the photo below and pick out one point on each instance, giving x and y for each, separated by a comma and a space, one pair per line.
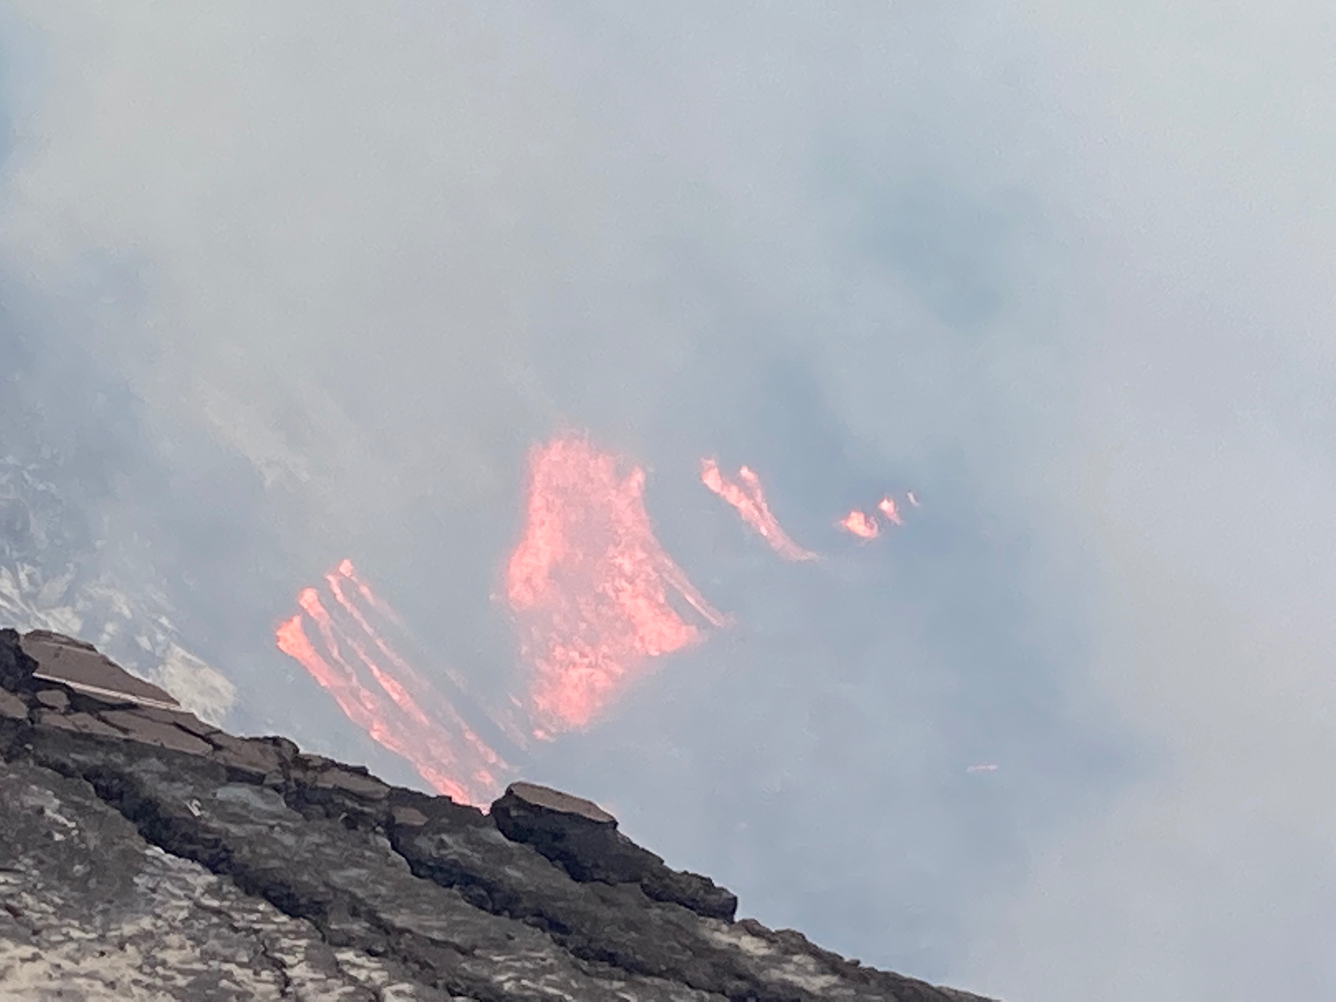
146, 854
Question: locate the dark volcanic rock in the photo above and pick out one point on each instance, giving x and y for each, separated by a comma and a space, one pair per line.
16, 666
583, 839
147, 855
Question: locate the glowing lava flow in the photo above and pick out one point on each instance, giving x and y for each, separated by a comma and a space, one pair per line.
887, 507
861, 525
749, 500
380, 692
590, 585
865, 525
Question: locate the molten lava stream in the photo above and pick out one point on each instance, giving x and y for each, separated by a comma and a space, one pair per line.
887, 507
860, 524
589, 585
748, 497
382, 693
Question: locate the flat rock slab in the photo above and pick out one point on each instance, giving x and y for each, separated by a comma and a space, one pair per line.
562, 803
81, 666
138, 727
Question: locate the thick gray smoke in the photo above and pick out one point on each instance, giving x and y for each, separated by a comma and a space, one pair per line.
290, 283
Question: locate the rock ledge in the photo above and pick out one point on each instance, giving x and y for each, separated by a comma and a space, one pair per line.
147, 855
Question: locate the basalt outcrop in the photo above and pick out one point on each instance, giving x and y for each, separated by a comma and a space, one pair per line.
145, 854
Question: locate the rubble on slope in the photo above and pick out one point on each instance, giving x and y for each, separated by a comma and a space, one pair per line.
147, 854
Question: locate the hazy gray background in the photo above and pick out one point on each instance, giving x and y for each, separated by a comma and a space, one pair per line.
287, 283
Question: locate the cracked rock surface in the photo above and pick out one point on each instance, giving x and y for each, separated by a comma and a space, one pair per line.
147, 855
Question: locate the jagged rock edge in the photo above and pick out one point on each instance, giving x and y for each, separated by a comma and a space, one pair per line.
355, 811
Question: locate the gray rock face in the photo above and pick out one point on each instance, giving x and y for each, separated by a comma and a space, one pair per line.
147, 855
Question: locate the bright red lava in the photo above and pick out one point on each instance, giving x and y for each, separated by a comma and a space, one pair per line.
590, 586
861, 525
887, 507
382, 693
748, 498
864, 525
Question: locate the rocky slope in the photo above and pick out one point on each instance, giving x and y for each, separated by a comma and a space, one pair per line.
146, 855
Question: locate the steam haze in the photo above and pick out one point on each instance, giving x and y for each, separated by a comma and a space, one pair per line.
285, 284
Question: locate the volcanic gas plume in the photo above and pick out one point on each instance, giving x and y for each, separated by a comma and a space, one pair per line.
748, 498
590, 586
382, 693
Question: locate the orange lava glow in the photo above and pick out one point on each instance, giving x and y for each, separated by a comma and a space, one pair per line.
382, 693
861, 525
748, 498
590, 586
887, 507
